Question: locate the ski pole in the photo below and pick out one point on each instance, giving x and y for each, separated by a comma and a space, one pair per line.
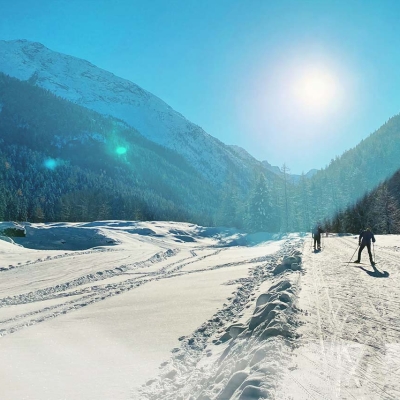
353, 255
373, 247
311, 244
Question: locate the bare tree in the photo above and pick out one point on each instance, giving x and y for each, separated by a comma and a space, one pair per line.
284, 170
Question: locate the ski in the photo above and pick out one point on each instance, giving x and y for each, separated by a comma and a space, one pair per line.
360, 263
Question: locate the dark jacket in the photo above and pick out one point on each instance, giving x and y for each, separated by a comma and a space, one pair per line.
317, 232
366, 237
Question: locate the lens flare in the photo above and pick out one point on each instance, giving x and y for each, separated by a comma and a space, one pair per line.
50, 163
121, 150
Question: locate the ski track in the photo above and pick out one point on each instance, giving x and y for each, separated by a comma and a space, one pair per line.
73, 297
350, 344
58, 256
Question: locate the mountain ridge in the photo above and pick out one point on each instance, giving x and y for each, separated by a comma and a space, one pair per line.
83, 83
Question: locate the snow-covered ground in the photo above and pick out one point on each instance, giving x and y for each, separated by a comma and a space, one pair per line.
164, 310
349, 345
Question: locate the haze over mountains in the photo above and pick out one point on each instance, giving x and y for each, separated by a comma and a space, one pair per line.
147, 160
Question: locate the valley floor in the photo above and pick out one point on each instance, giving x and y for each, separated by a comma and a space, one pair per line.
118, 310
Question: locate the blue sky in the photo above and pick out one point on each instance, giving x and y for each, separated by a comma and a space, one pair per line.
231, 66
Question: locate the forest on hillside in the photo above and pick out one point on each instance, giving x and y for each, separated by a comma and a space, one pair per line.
378, 209
296, 206
359, 170
62, 162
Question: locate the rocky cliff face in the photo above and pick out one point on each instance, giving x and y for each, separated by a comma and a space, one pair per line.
83, 83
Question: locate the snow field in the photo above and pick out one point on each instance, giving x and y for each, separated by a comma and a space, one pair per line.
153, 316
97, 322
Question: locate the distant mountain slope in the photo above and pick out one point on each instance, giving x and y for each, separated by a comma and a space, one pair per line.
83, 83
295, 178
344, 182
379, 209
359, 170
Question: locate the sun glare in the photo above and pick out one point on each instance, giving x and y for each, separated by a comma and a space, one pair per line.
315, 90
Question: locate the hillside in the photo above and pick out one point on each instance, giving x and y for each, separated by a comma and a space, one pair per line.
60, 161
379, 210
84, 84
347, 179
197, 178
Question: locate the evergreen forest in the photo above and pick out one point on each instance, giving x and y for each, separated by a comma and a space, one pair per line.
378, 209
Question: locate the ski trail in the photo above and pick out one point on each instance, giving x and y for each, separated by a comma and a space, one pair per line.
351, 329
88, 289
64, 256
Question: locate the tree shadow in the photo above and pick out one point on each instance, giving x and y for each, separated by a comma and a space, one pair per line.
375, 273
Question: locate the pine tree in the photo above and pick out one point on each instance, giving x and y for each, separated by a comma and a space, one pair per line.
305, 205
261, 215
284, 170
231, 208
386, 212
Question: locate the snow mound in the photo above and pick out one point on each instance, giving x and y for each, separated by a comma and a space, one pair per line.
237, 356
63, 237
292, 261
87, 235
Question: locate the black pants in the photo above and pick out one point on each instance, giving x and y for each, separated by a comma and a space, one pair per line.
368, 246
317, 240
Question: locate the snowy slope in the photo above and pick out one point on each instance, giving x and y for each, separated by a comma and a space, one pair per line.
83, 83
349, 346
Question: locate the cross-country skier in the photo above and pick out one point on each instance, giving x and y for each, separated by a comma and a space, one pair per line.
316, 234
364, 240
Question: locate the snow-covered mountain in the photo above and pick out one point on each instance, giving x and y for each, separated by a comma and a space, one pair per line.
83, 83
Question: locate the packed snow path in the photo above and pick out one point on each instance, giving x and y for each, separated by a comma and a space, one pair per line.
349, 346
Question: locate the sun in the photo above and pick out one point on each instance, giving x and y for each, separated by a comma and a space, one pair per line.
315, 89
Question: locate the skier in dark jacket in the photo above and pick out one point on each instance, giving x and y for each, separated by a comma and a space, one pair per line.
316, 234
364, 240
